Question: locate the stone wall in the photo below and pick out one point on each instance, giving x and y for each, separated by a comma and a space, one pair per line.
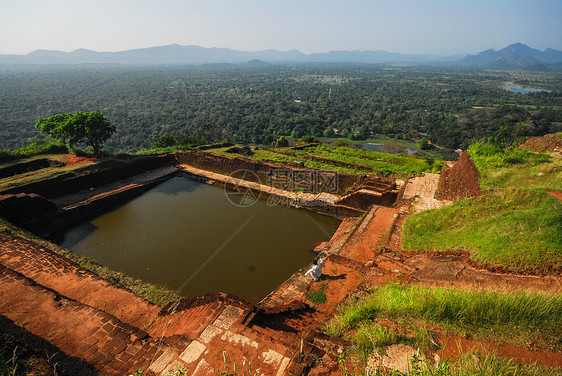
20, 208
21, 168
460, 181
227, 165
74, 182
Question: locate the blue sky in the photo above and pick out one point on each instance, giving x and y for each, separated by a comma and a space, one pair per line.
406, 26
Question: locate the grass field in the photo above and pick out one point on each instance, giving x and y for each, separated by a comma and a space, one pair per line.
517, 224
417, 313
346, 159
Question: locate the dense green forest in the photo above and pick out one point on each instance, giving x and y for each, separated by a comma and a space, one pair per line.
258, 103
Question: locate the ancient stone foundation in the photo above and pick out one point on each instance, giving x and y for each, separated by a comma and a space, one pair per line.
459, 181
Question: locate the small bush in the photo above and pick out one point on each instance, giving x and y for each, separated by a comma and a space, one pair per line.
309, 139
318, 296
342, 144
281, 142
36, 147
78, 152
369, 337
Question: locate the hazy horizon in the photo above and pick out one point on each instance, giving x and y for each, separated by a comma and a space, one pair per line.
435, 27
265, 49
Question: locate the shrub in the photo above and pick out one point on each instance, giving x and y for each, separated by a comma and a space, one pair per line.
281, 142
36, 147
309, 139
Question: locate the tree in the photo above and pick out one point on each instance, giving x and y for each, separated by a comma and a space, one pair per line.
281, 142
90, 128
165, 141
329, 132
308, 139
423, 144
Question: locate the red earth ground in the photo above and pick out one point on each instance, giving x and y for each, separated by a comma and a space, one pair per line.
556, 194
548, 143
116, 332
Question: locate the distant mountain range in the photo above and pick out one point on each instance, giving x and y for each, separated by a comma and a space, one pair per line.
175, 54
514, 56
517, 55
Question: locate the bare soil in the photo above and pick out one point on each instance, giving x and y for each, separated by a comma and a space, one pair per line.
108, 327
546, 143
556, 194
455, 346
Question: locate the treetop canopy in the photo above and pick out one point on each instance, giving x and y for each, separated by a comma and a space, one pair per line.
91, 128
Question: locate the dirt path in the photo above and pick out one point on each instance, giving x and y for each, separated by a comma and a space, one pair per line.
371, 234
556, 194
453, 271
455, 346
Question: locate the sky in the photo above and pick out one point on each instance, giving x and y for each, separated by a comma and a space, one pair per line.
445, 27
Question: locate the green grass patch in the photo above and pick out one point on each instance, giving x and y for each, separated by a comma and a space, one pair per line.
516, 225
153, 151
271, 156
380, 163
512, 168
42, 174
516, 317
519, 229
318, 296
36, 147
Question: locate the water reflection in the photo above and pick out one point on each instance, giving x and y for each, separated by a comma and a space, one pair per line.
168, 233
520, 90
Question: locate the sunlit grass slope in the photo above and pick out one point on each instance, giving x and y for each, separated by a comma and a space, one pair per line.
516, 224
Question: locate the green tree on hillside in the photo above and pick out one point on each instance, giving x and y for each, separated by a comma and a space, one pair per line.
90, 128
308, 139
281, 142
423, 144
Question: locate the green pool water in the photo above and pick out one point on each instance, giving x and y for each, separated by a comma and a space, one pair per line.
189, 236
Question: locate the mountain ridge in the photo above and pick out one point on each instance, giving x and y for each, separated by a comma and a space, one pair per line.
517, 55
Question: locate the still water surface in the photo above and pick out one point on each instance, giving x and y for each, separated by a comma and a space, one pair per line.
170, 234
519, 89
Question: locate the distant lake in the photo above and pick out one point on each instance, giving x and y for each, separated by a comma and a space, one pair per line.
519, 89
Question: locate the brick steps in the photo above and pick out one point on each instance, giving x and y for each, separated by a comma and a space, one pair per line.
110, 331
188, 322
58, 273
109, 345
